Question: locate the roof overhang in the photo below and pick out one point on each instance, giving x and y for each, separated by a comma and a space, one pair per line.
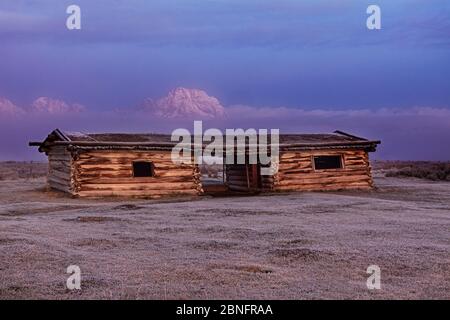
59, 138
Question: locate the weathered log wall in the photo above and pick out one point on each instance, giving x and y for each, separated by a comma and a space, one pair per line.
296, 172
59, 169
110, 173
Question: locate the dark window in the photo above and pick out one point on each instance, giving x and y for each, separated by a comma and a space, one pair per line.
327, 162
143, 169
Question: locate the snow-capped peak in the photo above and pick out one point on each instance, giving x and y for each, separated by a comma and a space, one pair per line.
182, 103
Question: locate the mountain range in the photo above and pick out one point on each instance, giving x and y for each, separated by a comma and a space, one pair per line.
39, 106
180, 103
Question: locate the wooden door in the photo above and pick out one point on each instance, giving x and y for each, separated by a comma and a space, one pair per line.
253, 176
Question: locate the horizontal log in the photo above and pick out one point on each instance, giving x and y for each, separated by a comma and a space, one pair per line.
290, 172
323, 173
359, 162
141, 180
309, 158
325, 180
323, 184
59, 174
320, 174
128, 165
66, 162
129, 170
302, 163
58, 181
125, 154
355, 166
295, 166
305, 153
322, 187
128, 161
65, 155
114, 167
360, 157
59, 167
132, 156
306, 160
129, 173
302, 157
291, 162
58, 150
138, 194
59, 187
59, 158
80, 173
140, 187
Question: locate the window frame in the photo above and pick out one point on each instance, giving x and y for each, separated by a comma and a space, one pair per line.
152, 168
342, 161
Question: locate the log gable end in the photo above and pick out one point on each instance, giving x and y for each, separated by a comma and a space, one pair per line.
60, 175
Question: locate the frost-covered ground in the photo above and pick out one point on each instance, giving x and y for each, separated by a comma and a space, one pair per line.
289, 246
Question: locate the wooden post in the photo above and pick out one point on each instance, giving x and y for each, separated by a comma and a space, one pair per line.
248, 178
255, 176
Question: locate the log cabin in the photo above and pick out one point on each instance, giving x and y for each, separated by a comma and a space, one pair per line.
140, 165
310, 162
129, 165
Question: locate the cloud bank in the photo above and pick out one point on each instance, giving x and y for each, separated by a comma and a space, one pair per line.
416, 133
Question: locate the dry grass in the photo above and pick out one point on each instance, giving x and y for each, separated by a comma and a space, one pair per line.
434, 171
290, 246
12, 170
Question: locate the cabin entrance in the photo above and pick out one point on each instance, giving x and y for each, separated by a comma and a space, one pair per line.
213, 177
244, 177
221, 179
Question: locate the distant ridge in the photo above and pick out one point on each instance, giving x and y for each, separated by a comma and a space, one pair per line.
7, 108
54, 106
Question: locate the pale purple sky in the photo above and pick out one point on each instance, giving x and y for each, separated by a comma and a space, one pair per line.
302, 61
